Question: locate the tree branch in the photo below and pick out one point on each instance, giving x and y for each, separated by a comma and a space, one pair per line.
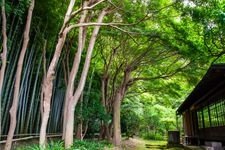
162, 76
85, 8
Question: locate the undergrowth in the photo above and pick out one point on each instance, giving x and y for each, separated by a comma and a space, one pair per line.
78, 145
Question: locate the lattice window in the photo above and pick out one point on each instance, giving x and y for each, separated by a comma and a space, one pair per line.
206, 117
212, 115
200, 121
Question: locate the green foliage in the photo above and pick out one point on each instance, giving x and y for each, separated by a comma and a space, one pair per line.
169, 36
154, 112
50, 15
53, 145
153, 136
93, 113
16, 8
92, 145
21, 8
78, 145
131, 117
208, 16
90, 110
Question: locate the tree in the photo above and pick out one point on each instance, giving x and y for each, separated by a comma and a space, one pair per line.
131, 116
74, 99
47, 89
48, 79
3, 54
155, 55
208, 18
13, 109
153, 42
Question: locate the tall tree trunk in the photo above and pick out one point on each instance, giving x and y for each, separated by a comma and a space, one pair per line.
79, 134
116, 119
44, 70
105, 132
48, 80
85, 130
3, 56
106, 129
13, 109
120, 93
47, 89
85, 124
101, 131
102, 127
71, 105
73, 73
109, 131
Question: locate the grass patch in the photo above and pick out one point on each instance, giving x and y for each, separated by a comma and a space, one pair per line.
155, 145
153, 142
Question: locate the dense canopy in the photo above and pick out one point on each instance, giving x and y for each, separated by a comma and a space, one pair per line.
101, 66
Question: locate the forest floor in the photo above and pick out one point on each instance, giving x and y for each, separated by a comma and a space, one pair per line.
140, 144
127, 144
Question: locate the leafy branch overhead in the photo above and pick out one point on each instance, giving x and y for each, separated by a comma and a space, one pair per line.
102, 66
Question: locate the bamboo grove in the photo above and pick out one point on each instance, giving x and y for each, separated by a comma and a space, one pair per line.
67, 66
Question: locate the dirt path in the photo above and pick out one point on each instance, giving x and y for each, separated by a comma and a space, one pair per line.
132, 143
140, 144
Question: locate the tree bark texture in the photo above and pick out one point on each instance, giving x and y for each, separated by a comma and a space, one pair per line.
102, 132
3, 55
104, 128
120, 93
79, 134
48, 79
13, 109
47, 89
73, 73
72, 103
116, 119
42, 85
85, 129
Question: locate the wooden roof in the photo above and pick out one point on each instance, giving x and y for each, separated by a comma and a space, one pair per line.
214, 77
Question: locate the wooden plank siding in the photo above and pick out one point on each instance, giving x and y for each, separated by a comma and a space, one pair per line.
203, 110
212, 134
188, 123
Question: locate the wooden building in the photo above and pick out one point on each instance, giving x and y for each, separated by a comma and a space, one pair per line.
204, 109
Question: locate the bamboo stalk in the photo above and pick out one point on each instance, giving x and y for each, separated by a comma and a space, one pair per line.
25, 88
9, 81
33, 96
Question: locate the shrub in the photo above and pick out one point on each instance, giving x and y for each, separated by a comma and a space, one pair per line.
78, 145
152, 136
90, 145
